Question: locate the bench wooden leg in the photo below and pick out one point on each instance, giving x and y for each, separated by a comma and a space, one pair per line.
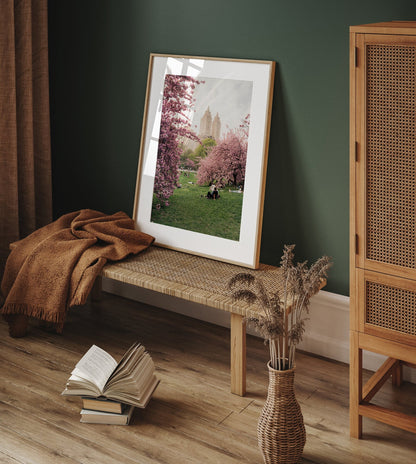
17, 324
97, 289
238, 355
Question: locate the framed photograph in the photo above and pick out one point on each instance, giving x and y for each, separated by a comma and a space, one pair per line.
203, 155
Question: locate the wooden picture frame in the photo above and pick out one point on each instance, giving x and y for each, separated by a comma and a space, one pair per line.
203, 155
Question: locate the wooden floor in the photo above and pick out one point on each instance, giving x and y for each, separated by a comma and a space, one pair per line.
192, 418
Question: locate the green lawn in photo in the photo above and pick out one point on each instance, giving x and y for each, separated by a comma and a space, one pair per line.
190, 209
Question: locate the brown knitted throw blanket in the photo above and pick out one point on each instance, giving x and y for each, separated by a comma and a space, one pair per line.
55, 267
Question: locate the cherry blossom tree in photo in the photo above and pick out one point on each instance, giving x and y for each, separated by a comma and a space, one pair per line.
175, 126
226, 162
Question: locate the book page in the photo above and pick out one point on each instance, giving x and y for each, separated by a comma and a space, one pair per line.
96, 366
132, 398
127, 363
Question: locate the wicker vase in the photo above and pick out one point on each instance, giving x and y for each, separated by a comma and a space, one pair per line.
280, 430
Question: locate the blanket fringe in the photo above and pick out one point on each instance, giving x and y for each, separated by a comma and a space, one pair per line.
37, 312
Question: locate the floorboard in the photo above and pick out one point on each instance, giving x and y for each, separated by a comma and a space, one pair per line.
192, 418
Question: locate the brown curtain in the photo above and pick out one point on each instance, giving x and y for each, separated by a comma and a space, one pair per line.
25, 154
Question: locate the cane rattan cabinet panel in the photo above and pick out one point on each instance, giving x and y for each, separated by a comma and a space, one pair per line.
382, 210
387, 306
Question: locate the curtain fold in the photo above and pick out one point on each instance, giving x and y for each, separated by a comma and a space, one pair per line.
25, 153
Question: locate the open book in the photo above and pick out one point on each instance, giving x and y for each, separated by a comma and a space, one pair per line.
131, 381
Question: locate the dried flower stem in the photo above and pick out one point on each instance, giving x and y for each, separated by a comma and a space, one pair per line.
283, 320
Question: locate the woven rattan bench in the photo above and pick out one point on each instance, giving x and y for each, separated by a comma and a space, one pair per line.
199, 280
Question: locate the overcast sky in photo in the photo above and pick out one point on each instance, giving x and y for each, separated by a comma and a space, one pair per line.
230, 98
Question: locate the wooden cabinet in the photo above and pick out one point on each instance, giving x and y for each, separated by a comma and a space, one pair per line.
382, 211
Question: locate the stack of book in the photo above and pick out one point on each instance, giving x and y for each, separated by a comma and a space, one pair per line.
110, 391
104, 411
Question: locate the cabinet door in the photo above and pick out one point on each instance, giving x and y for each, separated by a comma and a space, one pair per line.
385, 132
387, 306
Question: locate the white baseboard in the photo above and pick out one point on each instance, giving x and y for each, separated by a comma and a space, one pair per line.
327, 329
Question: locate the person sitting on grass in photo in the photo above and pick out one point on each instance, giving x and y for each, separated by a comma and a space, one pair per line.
212, 193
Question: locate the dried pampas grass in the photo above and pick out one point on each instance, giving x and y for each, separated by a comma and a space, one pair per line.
282, 323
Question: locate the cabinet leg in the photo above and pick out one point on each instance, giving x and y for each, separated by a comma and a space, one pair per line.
17, 324
238, 355
356, 389
397, 375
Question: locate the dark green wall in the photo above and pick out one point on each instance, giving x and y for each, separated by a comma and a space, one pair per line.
99, 52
